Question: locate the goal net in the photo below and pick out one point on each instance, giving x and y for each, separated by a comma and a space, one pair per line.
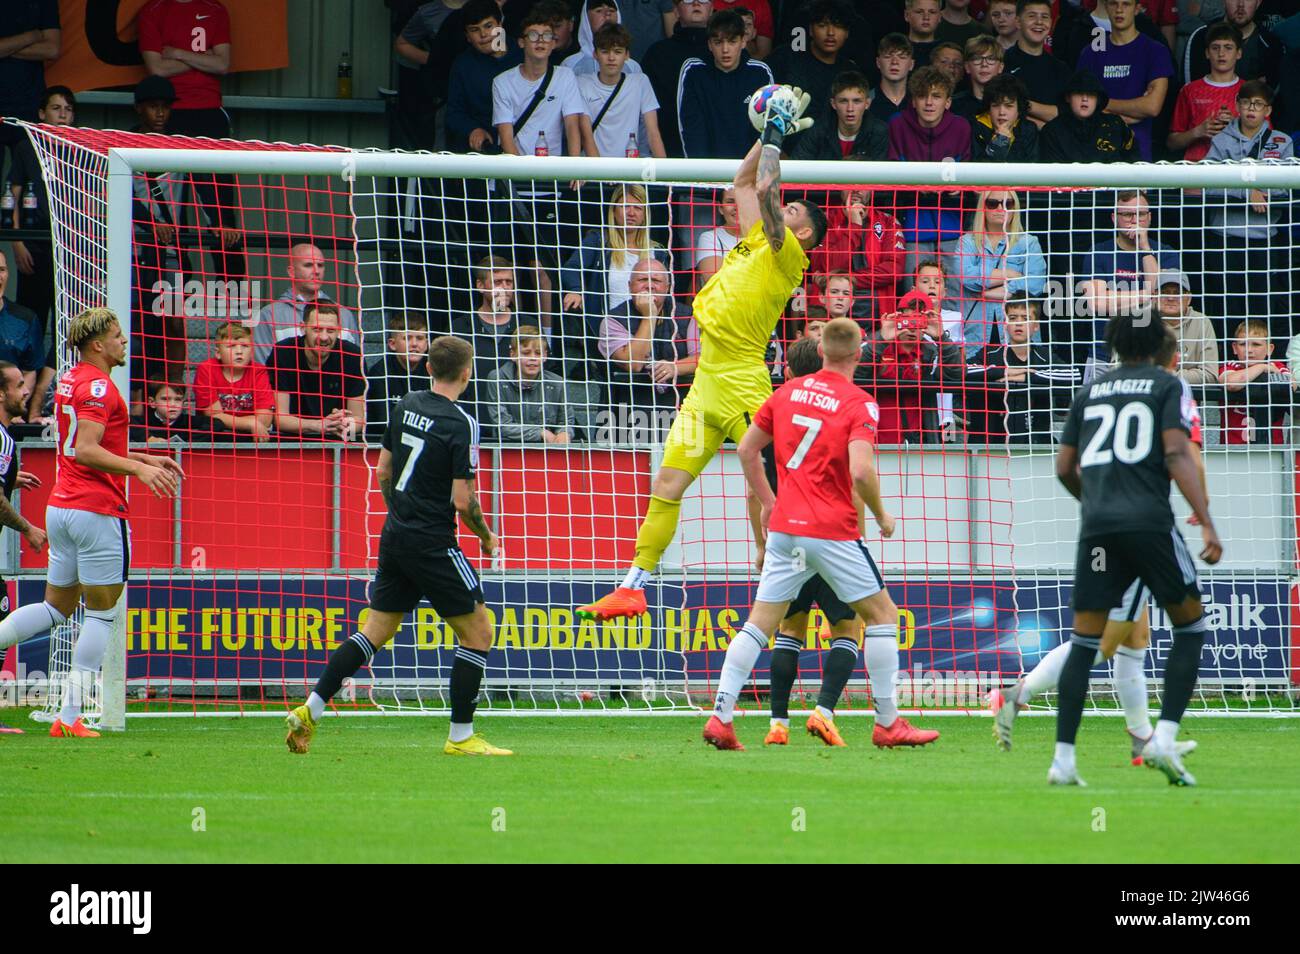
574, 280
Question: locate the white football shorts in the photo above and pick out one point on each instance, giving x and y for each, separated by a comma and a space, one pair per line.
845, 565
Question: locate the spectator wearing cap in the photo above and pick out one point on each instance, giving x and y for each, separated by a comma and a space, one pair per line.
154, 98
1198, 347
1134, 69
1247, 227
907, 363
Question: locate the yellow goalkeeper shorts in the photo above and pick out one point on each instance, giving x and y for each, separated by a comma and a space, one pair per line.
719, 406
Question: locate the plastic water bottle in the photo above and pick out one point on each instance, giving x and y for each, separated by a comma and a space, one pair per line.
541, 149
7, 207
632, 151
345, 75
30, 206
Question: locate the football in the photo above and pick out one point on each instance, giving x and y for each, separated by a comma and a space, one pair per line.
757, 104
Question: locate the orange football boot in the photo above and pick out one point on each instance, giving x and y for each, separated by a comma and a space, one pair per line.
901, 733
722, 735
623, 602
777, 735
78, 730
824, 729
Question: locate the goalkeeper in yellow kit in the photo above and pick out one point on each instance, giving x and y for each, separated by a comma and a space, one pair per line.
736, 312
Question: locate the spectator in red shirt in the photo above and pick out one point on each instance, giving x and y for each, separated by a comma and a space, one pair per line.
1206, 106
867, 243
763, 24
232, 388
188, 42
906, 364
1259, 388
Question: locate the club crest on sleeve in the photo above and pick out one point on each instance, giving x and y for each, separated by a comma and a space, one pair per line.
873, 412
98, 388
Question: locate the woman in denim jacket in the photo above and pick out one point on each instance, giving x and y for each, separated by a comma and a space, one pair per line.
996, 260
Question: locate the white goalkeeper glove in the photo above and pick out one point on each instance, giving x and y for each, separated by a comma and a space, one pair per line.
784, 115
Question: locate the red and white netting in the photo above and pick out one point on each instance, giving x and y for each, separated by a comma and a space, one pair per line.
242, 585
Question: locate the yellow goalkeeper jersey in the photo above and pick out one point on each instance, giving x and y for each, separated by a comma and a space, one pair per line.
738, 308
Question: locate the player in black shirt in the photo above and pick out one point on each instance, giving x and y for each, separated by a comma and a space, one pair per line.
14, 395
427, 475
1133, 425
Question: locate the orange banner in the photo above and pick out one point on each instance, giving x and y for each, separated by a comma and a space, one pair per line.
99, 41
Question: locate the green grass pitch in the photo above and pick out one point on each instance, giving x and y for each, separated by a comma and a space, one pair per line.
636, 789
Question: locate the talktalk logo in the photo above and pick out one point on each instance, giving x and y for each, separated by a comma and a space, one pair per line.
1241, 612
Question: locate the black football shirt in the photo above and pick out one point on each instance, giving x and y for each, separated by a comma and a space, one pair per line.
1117, 423
433, 442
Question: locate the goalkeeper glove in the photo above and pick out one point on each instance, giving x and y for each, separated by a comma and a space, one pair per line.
784, 116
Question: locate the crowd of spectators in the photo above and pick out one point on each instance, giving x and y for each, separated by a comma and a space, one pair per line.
981, 308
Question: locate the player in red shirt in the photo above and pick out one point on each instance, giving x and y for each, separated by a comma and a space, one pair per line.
823, 428
90, 544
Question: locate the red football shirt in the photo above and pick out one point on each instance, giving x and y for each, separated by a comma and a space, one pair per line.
812, 421
85, 393
763, 22
250, 394
1197, 101
196, 26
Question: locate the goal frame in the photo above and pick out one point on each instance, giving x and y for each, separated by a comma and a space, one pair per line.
125, 162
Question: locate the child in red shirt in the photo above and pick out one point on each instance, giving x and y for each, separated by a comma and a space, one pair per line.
1259, 388
1206, 106
233, 388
